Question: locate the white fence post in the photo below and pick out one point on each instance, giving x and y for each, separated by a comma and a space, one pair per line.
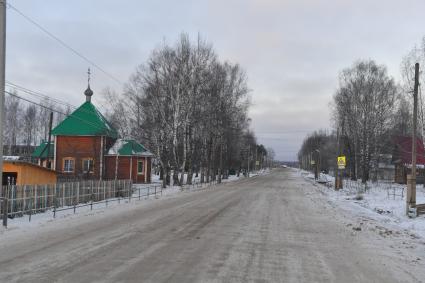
63, 195
130, 191
25, 199
35, 197
45, 197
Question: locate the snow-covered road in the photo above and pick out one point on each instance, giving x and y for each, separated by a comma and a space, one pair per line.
272, 228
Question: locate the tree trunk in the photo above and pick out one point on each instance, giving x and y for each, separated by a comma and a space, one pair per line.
208, 167
164, 179
183, 166
220, 168
167, 176
175, 178
161, 173
189, 176
182, 178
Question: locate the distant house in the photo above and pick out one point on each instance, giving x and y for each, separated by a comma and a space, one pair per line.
23, 151
402, 159
43, 155
386, 169
86, 146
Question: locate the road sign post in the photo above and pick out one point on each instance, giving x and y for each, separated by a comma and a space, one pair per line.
341, 163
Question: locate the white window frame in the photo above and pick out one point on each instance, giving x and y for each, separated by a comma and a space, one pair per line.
143, 167
64, 167
91, 169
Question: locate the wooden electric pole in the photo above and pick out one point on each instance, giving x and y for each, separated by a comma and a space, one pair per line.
249, 156
317, 164
337, 180
255, 165
49, 141
411, 179
2, 81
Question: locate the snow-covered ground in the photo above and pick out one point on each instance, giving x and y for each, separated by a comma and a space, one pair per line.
40, 219
262, 229
383, 202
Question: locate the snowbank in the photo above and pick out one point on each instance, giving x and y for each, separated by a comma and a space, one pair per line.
383, 201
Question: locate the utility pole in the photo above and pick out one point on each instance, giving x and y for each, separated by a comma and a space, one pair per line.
49, 141
411, 179
337, 175
316, 163
249, 156
47, 147
2, 80
255, 165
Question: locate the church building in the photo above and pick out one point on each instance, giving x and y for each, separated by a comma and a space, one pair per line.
86, 146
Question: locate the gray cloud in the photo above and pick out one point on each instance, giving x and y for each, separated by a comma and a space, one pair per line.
292, 51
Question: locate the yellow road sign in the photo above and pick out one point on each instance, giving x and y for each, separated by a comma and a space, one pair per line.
341, 162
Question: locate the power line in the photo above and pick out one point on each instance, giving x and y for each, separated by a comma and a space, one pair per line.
285, 132
39, 94
45, 96
35, 103
55, 110
64, 44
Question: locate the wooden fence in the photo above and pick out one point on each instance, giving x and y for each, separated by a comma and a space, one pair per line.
30, 199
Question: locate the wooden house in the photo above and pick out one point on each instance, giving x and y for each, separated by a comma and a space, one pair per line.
402, 159
128, 159
26, 173
82, 144
43, 154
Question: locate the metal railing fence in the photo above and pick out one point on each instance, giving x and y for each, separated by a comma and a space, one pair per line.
17, 201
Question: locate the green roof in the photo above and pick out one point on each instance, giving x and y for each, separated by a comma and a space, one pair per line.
128, 147
85, 121
41, 150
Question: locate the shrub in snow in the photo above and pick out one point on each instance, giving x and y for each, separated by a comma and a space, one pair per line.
358, 197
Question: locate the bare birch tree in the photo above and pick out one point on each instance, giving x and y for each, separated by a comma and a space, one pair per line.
363, 106
190, 109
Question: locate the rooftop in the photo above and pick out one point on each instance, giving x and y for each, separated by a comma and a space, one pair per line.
41, 150
85, 121
403, 150
128, 148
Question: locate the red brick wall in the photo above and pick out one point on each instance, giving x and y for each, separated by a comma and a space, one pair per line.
149, 171
124, 165
78, 147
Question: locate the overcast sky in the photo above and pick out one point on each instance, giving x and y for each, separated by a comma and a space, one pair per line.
292, 51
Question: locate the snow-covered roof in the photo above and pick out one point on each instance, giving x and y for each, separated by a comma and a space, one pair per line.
128, 148
115, 148
11, 157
